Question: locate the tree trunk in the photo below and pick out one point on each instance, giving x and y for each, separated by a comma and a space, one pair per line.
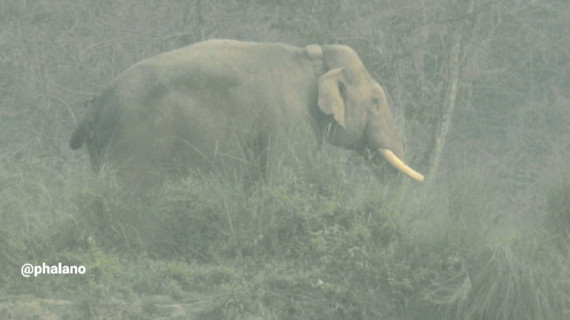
453, 71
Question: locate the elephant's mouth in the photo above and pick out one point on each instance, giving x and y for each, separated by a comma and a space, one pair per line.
392, 159
399, 165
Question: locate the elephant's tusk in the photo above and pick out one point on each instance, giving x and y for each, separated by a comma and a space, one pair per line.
400, 165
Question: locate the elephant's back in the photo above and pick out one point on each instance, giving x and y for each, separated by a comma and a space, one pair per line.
220, 59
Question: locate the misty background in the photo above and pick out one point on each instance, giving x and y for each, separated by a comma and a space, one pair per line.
480, 91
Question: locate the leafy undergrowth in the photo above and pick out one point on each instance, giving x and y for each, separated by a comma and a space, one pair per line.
325, 241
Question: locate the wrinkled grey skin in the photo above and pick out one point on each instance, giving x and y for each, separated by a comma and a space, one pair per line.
222, 100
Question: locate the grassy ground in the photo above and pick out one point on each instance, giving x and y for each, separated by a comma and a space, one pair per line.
324, 241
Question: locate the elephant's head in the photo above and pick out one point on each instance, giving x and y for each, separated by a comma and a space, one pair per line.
362, 118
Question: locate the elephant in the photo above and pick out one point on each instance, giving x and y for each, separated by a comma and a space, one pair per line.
224, 100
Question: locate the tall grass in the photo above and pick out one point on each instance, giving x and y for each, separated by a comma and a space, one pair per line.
325, 243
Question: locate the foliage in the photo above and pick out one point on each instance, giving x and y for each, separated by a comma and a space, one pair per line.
292, 249
322, 238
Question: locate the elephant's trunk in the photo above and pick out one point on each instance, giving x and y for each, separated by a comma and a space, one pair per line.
400, 165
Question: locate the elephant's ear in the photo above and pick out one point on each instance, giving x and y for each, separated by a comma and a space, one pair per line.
332, 95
